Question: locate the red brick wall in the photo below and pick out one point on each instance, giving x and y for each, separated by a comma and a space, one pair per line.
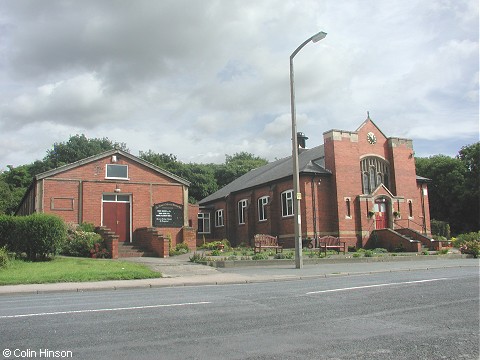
391, 241
146, 187
325, 197
152, 240
189, 236
61, 198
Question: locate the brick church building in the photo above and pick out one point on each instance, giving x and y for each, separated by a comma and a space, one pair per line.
360, 186
132, 201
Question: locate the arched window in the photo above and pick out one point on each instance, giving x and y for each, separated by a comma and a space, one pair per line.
375, 171
348, 208
366, 188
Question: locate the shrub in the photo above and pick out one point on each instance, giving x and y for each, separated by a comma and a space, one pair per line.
245, 251
471, 247
260, 256
439, 238
369, 253
279, 256
356, 255
289, 255
216, 245
4, 258
440, 228
215, 252
40, 235
7, 229
179, 249
226, 244
462, 238
37, 235
87, 227
380, 251
197, 258
84, 244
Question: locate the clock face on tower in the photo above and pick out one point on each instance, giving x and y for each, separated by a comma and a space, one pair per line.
371, 138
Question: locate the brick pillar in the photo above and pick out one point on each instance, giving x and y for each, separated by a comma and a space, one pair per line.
189, 235
110, 239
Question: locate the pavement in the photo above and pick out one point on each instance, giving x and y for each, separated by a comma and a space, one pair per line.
178, 271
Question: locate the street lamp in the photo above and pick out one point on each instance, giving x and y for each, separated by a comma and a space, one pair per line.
296, 177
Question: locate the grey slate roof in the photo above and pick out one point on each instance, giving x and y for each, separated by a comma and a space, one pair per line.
107, 154
310, 161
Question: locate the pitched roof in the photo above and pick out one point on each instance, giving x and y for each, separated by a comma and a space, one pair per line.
310, 161
106, 154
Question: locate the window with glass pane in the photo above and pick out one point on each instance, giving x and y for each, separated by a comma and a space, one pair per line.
287, 203
219, 218
117, 171
262, 208
242, 206
204, 223
375, 171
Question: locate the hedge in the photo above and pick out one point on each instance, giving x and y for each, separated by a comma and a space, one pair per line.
440, 228
38, 236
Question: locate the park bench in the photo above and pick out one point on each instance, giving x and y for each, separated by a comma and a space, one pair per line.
262, 241
331, 242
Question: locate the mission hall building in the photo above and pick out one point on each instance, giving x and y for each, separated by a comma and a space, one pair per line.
360, 186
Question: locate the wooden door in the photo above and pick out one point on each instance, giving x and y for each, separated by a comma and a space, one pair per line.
116, 217
381, 220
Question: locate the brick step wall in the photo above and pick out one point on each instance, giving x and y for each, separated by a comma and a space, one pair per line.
131, 250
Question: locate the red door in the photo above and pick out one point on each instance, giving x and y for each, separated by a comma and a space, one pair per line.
116, 217
381, 221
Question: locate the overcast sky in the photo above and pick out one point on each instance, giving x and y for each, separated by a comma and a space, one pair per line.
203, 78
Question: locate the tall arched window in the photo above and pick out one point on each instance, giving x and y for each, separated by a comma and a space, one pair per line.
375, 171
365, 185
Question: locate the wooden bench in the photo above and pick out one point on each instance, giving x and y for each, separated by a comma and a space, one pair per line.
331, 242
262, 241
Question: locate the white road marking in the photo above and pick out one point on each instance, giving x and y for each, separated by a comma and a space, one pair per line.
376, 285
102, 310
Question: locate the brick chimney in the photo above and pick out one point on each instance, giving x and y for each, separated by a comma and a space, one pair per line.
301, 140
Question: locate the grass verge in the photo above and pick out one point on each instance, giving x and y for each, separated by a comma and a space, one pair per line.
64, 269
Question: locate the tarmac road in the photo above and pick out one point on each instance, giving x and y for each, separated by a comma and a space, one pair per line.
178, 271
413, 310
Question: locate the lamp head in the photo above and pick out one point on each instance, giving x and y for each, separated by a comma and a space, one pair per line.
317, 37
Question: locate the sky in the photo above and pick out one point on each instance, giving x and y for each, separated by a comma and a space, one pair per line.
200, 79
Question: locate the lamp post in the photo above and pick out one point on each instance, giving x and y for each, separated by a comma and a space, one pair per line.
296, 176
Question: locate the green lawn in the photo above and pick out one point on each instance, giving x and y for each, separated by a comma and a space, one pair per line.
66, 269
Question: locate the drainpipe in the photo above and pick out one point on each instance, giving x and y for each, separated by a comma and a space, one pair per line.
314, 210
424, 221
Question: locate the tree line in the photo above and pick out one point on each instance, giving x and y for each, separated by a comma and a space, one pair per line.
453, 190
204, 178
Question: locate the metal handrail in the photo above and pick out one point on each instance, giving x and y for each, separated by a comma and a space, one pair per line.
424, 228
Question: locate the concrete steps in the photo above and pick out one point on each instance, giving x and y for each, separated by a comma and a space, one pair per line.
132, 250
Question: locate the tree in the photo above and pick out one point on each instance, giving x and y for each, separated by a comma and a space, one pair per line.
470, 157
78, 147
202, 180
13, 184
236, 166
15, 181
205, 179
163, 161
454, 191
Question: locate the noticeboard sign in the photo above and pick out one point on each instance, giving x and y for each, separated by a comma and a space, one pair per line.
167, 214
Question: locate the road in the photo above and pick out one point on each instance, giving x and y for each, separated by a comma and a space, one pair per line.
427, 314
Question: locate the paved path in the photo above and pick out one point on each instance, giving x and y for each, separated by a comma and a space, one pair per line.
178, 271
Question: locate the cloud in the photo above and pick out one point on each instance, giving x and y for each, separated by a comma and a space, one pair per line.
200, 79
77, 100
